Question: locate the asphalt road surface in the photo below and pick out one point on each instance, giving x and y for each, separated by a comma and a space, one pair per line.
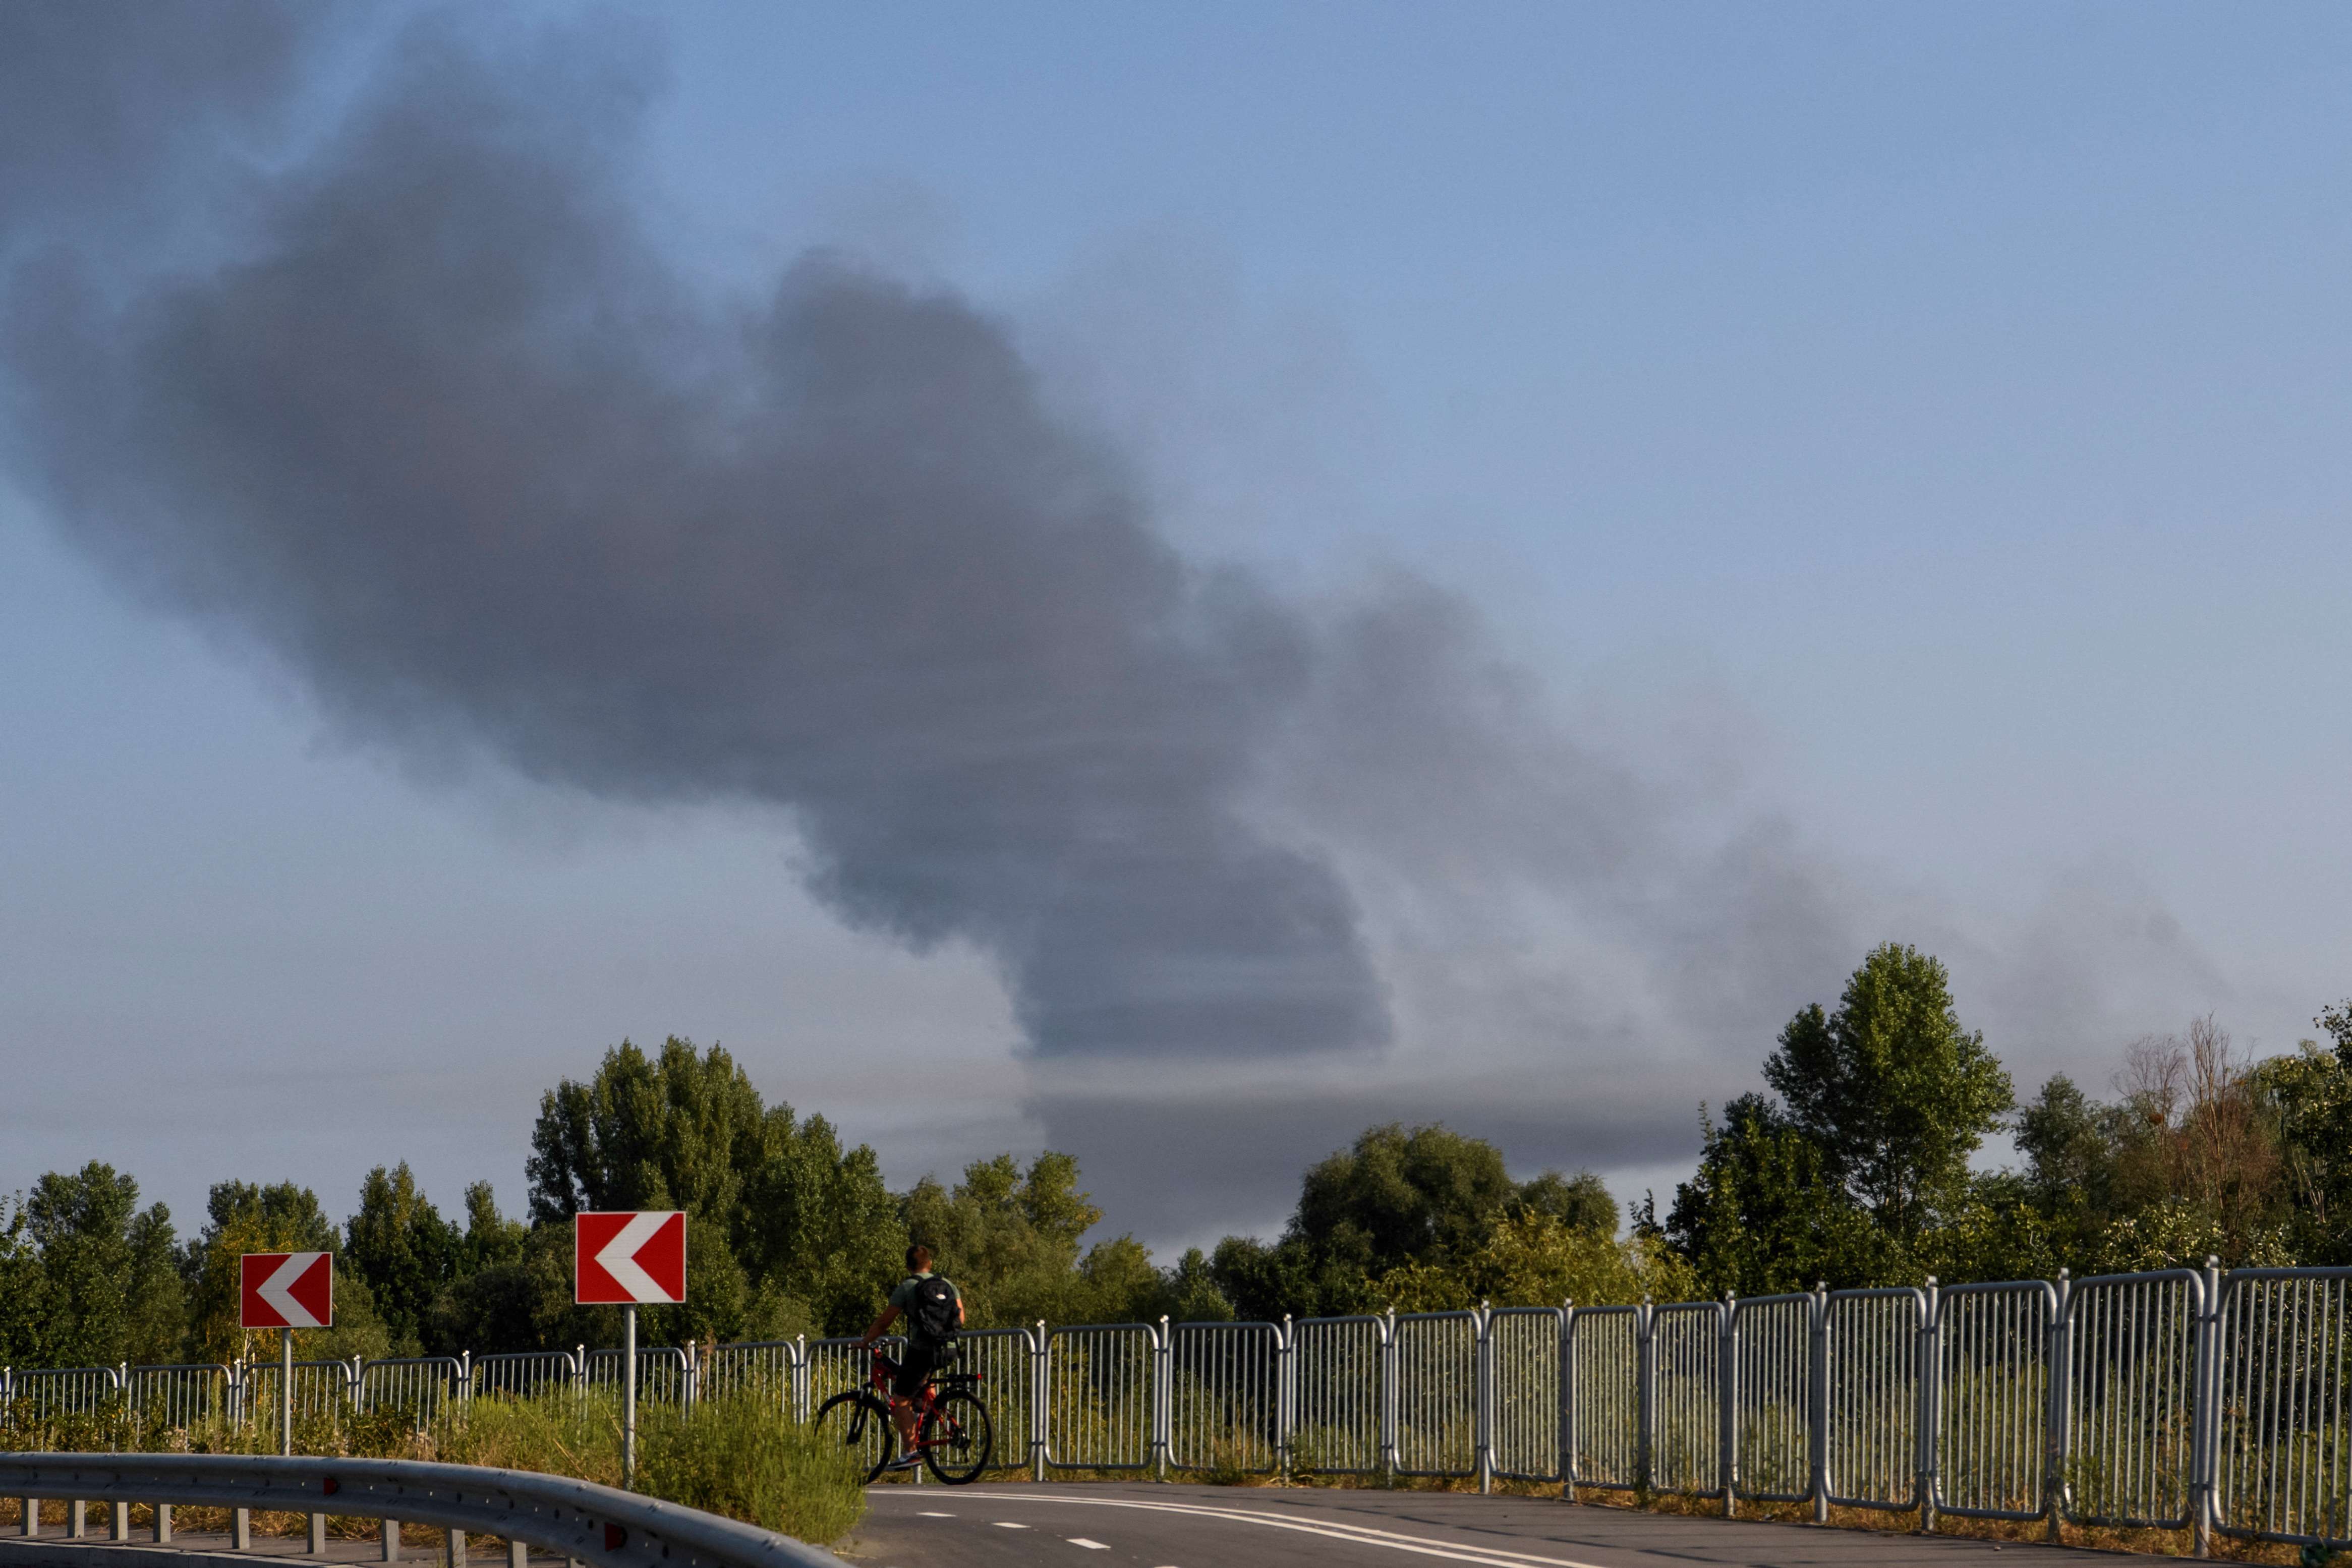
1161, 1526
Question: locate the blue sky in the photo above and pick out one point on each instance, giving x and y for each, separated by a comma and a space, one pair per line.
1919, 430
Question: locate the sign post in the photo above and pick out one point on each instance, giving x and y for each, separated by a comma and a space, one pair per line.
621, 1260
286, 1291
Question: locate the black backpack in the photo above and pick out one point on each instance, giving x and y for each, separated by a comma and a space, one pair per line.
935, 1312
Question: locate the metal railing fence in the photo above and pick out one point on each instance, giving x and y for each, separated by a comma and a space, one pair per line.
1223, 1403
1993, 1411
1875, 1456
1772, 1398
2180, 1400
523, 1374
1521, 1392
1339, 1385
2282, 1442
1104, 1394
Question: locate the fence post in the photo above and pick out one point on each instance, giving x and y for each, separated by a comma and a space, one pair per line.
2059, 1434
1568, 1399
1041, 1371
694, 1378
1163, 1416
1481, 1397
1285, 1397
1726, 1403
1817, 1347
2205, 1409
1645, 1380
1388, 1396
1931, 1394
800, 1375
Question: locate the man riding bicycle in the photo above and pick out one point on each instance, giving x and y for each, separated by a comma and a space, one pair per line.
934, 1313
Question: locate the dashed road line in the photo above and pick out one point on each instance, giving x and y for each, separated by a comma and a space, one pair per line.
1361, 1535
1090, 1545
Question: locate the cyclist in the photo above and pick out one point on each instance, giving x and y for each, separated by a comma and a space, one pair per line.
934, 1314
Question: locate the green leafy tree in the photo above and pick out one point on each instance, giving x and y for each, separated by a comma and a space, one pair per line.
1397, 1196
492, 1238
1764, 1215
107, 1289
1012, 1240
399, 1244
1533, 1258
21, 1291
281, 1217
2070, 1143
783, 1225
1190, 1291
2309, 1095
1891, 1088
1423, 1196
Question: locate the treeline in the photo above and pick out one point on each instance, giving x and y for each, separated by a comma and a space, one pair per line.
1857, 1169
1858, 1166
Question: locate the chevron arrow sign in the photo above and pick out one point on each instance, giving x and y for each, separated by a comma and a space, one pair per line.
619, 1259
287, 1290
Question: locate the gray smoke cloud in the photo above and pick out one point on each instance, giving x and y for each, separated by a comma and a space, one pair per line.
450, 438
99, 101
430, 417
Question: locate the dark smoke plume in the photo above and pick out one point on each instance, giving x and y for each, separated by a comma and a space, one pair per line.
448, 435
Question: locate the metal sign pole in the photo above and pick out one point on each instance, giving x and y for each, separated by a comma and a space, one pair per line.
629, 1397
285, 1391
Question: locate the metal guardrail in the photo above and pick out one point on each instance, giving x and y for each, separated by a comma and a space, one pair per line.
591, 1523
2184, 1398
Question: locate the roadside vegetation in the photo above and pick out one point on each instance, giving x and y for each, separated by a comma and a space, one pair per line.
737, 1454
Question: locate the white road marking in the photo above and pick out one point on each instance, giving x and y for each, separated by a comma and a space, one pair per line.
1363, 1535
1008, 1524
1090, 1545
926, 1513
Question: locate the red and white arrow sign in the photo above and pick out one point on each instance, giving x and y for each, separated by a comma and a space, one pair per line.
623, 1258
287, 1290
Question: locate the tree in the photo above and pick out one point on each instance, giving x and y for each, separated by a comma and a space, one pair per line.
107, 1289
492, 1238
1580, 1202
1764, 1215
1009, 1238
783, 1225
282, 1216
1891, 1090
1424, 1196
1397, 1196
21, 1295
2309, 1097
399, 1244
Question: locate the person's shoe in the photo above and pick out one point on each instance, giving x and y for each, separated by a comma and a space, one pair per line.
907, 1462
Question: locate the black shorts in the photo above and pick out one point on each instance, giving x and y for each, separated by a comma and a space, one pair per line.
915, 1367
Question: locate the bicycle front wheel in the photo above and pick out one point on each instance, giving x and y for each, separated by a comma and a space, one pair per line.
957, 1438
859, 1422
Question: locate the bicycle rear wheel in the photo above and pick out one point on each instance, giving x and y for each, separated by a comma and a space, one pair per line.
957, 1438
860, 1422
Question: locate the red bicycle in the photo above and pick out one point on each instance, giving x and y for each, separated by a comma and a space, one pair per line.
952, 1431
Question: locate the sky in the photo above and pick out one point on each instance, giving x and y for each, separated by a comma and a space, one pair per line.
1599, 515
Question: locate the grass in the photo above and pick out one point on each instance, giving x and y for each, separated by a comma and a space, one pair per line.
739, 1455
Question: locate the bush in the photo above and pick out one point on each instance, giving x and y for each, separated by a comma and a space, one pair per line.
740, 1456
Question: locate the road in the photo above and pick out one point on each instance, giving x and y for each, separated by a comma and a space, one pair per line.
1246, 1527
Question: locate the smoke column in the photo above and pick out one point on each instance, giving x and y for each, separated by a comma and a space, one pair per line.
445, 433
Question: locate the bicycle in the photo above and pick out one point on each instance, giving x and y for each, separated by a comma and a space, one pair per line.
953, 1432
